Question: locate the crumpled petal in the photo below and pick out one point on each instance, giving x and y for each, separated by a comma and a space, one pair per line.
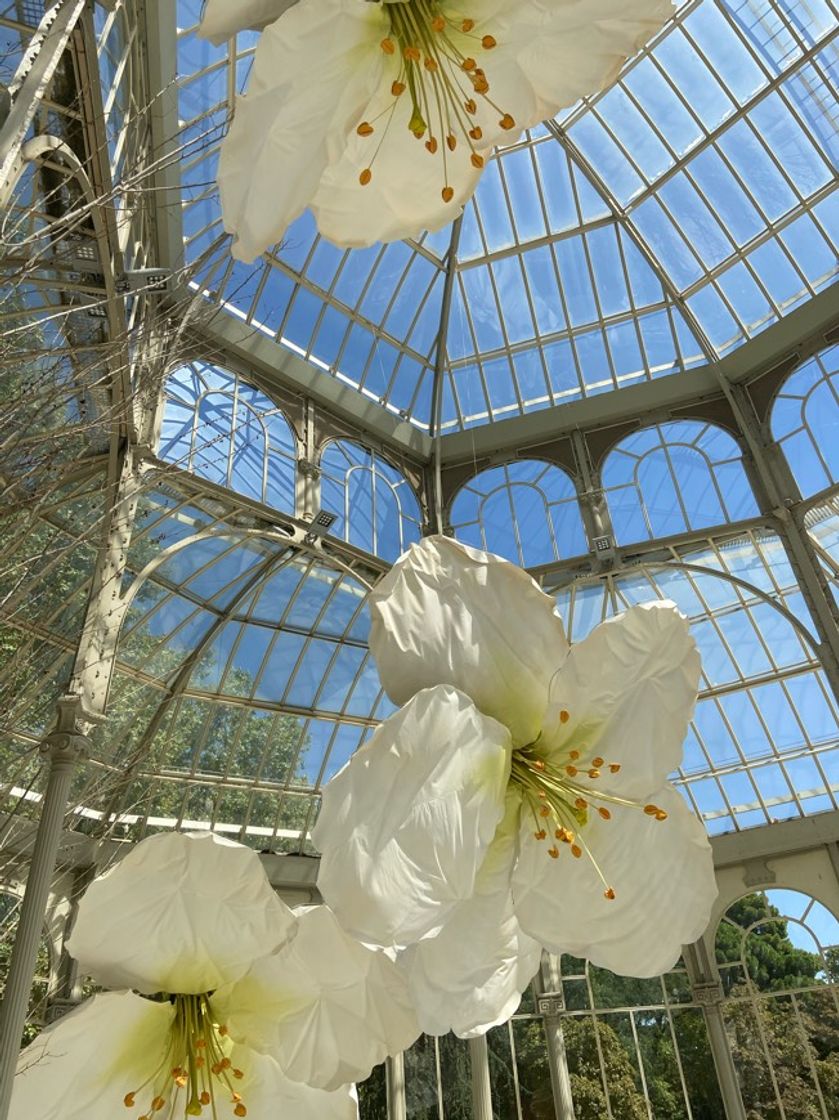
221, 19
449, 614
181, 913
81, 1067
314, 71
470, 976
269, 1095
662, 873
405, 825
629, 689
327, 1008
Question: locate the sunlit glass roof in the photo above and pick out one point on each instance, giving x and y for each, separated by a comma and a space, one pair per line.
653, 227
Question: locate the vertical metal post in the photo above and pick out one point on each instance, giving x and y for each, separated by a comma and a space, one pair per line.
551, 1004
707, 992
64, 747
481, 1088
397, 1108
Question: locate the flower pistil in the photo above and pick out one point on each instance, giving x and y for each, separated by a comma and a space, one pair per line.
441, 80
195, 1071
557, 799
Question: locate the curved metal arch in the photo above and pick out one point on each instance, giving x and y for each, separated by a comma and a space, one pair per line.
607, 577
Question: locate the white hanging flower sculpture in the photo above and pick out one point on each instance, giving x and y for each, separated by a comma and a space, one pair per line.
251, 1017
519, 798
381, 114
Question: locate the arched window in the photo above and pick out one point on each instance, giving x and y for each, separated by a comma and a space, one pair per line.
223, 429
375, 506
674, 477
525, 510
805, 422
776, 951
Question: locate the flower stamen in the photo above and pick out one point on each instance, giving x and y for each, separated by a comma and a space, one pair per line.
184, 1067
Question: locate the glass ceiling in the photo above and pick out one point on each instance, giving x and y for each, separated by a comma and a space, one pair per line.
655, 226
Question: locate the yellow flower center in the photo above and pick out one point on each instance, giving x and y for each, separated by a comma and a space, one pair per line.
195, 1073
444, 83
560, 804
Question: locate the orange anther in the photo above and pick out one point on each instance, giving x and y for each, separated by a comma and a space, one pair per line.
541, 834
545, 811
581, 803
447, 194
605, 814
468, 64
507, 122
431, 64
225, 1062
553, 853
467, 25
431, 145
200, 1044
365, 176
480, 84
614, 767
471, 106
205, 1097
594, 774
476, 133
651, 810
412, 54
397, 89
574, 755
222, 1030
488, 42
598, 762
610, 894
538, 764
365, 129
438, 23
158, 1104
451, 142
571, 771
661, 815
216, 1068
576, 851
128, 1100
200, 1063
240, 1110
388, 46
564, 718
181, 1081
237, 1073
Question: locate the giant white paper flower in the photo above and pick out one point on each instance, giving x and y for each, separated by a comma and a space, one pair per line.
519, 797
382, 115
249, 1017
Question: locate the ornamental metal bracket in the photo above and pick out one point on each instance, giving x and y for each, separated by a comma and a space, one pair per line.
308, 469
708, 993
551, 1004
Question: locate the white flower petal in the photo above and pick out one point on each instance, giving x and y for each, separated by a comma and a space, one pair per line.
662, 873
404, 197
81, 1067
324, 1006
470, 976
560, 52
180, 914
629, 689
314, 71
269, 1095
449, 614
221, 19
405, 825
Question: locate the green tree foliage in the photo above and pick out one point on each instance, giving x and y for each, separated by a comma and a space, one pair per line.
784, 1045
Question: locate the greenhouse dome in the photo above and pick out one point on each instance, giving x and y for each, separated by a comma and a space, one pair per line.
618, 369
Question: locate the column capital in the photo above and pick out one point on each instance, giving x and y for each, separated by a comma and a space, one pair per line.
68, 740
